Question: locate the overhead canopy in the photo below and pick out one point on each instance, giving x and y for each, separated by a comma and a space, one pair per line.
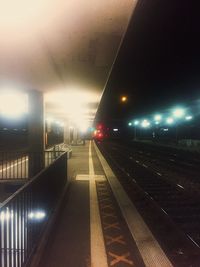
63, 48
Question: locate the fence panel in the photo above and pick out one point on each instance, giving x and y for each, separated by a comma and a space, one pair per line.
24, 215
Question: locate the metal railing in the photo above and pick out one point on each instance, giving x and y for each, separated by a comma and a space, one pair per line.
24, 215
24, 165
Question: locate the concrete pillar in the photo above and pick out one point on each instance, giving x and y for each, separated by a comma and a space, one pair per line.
75, 136
67, 132
36, 132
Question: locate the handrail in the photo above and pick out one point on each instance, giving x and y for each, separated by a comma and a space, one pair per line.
24, 215
25, 165
28, 183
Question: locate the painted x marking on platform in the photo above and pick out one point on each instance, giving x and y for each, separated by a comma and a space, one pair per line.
111, 225
107, 206
120, 258
102, 188
102, 184
105, 199
118, 239
107, 215
103, 193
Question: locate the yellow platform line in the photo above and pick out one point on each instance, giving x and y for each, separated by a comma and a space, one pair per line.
98, 252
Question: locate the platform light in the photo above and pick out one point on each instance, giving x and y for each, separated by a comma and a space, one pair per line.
49, 120
158, 117
74, 103
83, 129
169, 120
188, 118
145, 123
157, 122
83, 125
136, 122
60, 123
13, 104
178, 112
130, 124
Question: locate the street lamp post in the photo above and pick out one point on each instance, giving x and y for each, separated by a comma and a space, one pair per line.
135, 132
178, 113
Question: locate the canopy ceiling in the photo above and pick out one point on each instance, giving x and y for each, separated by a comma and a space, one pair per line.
63, 48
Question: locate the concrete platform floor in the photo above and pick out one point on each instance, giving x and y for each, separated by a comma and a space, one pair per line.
98, 226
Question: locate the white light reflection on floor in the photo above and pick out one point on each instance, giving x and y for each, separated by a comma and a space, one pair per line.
37, 215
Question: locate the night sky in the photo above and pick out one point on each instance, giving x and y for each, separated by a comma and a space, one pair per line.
158, 65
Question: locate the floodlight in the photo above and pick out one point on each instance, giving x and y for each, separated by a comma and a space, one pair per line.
145, 123
157, 117
188, 118
178, 113
170, 120
13, 104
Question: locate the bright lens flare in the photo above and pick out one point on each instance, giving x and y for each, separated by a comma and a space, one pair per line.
158, 117
124, 98
74, 104
6, 215
179, 112
188, 118
170, 120
145, 123
13, 104
37, 215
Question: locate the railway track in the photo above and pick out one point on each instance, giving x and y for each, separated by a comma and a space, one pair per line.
182, 208
184, 172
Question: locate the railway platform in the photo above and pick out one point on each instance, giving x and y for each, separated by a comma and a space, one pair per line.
96, 224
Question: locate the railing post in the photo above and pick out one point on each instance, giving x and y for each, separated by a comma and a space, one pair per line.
36, 162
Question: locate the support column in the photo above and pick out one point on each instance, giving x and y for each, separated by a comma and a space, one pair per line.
75, 136
36, 132
67, 132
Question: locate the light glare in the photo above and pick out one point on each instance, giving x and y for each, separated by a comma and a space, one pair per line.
74, 104
124, 98
37, 215
13, 104
145, 123
179, 112
6, 215
188, 118
158, 117
170, 120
